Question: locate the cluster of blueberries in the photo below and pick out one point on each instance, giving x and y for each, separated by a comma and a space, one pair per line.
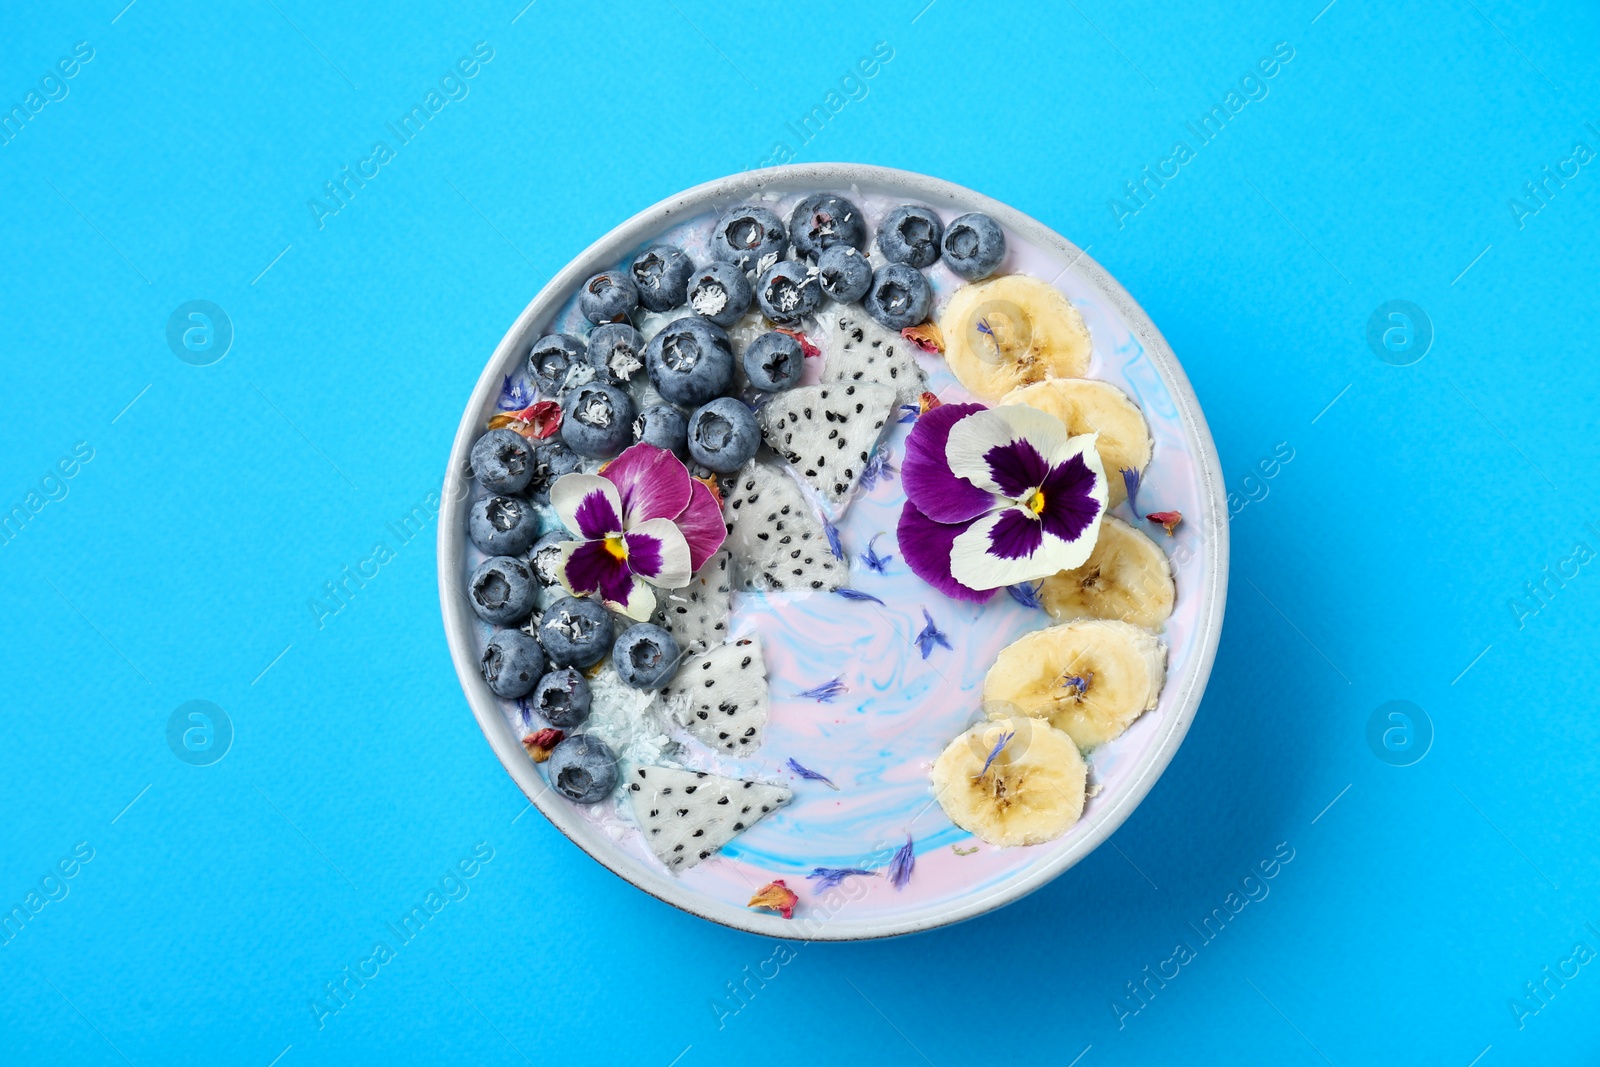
690, 363
574, 633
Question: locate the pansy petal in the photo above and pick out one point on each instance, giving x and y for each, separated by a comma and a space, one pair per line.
701, 525
658, 553
999, 450
925, 544
588, 505
589, 568
991, 553
653, 482
925, 471
1074, 492
638, 603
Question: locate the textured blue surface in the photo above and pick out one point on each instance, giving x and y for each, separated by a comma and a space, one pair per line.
1386, 561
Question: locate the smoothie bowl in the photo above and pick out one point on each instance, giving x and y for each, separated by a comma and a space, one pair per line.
833, 552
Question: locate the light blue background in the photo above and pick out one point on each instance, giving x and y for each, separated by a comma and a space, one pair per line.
1380, 564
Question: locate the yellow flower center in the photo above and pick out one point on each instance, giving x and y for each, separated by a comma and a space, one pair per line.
617, 547
1035, 502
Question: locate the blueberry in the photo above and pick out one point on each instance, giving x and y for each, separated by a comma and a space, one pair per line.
723, 435
551, 459
501, 590
822, 221
747, 235
544, 559
616, 352
720, 292
609, 296
645, 656
512, 663
661, 274
596, 420
900, 296
788, 292
844, 273
503, 525
562, 698
690, 360
774, 361
582, 769
664, 426
550, 358
575, 632
910, 235
974, 245
502, 461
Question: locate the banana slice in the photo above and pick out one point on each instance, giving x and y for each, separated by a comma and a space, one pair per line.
1126, 577
1088, 405
1031, 792
1012, 331
1091, 679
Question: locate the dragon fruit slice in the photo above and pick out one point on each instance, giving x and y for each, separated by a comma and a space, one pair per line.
776, 540
859, 350
721, 697
697, 615
828, 433
685, 816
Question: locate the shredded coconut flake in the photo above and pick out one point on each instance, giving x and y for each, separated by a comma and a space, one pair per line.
626, 719
710, 300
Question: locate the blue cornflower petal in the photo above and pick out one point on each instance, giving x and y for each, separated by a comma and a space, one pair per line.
1026, 594
826, 692
806, 772
874, 561
1079, 683
514, 396
904, 862
877, 467
828, 877
856, 594
994, 753
931, 635
911, 413
834, 545
1130, 478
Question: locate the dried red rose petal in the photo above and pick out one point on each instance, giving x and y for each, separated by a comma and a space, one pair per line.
927, 402
807, 349
541, 742
926, 337
1167, 519
777, 896
711, 483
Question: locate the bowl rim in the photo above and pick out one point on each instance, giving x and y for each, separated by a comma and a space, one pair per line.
459, 619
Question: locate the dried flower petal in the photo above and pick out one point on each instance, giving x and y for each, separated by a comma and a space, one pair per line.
834, 544
927, 401
1130, 478
926, 337
1027, 594
911, 411
826, 692
904, 862
828, 877
1167, 519
808, 773
963, 851
856, 594
541, 742
543, 419
807, 349
711, 483
874, 561
994, 753
1078, 684
776, 896
876, 467
931, 635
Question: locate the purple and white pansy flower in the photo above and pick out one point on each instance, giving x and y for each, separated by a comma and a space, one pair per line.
642, 522
997, 496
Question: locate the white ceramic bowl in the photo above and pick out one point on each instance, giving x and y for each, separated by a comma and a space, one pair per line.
1206, 528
